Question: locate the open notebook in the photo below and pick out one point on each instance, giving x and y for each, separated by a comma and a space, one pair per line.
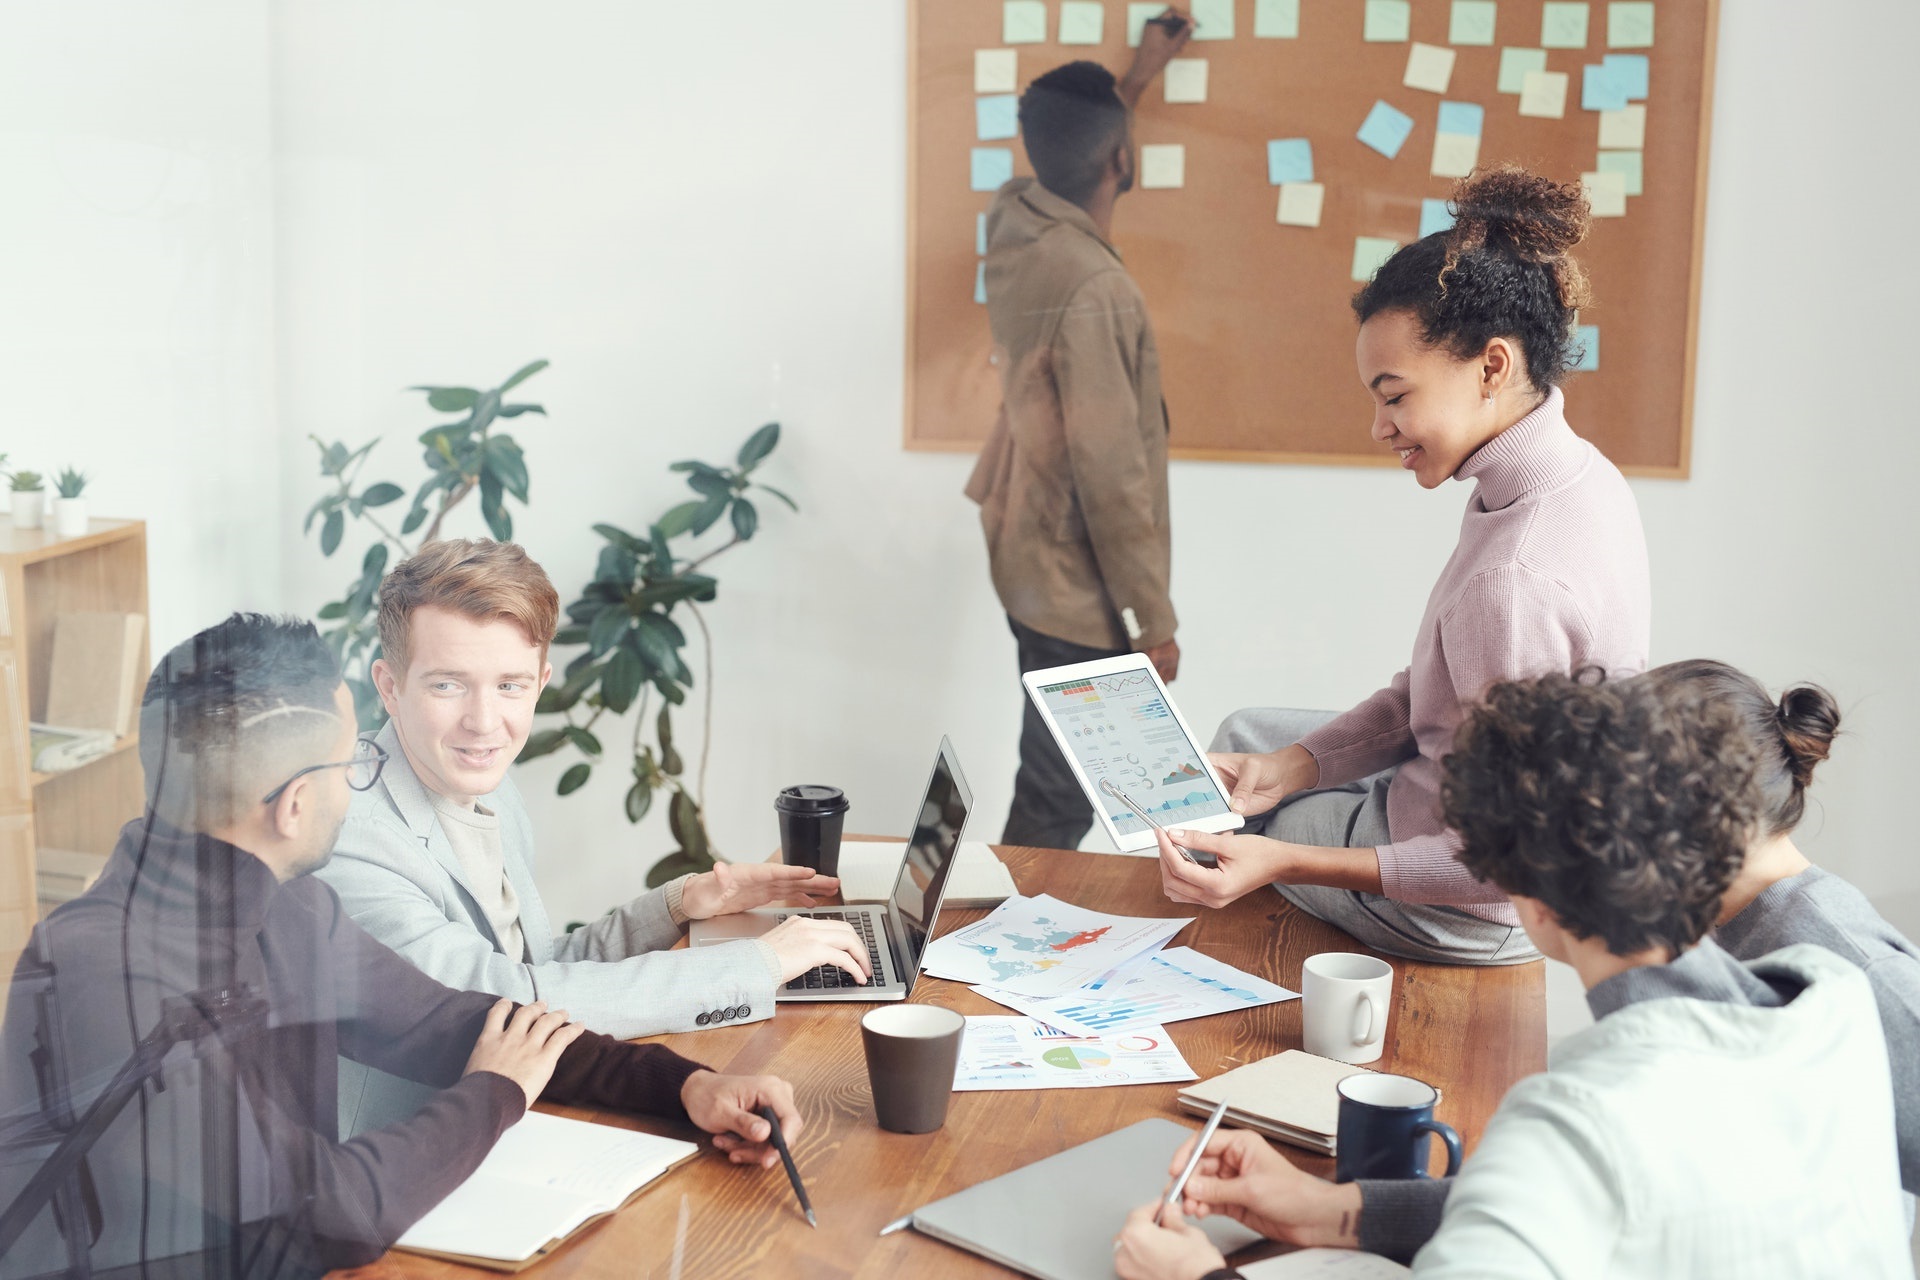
545, 1179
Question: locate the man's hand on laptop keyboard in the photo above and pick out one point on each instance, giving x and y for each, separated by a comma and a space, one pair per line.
732, 887
801, 944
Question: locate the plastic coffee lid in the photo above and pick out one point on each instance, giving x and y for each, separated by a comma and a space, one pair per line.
811, 798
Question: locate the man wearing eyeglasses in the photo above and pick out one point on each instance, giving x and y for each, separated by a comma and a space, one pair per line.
247, 738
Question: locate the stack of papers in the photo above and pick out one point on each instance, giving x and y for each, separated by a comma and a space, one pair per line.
1044, 947
1019, 1053
1150, 990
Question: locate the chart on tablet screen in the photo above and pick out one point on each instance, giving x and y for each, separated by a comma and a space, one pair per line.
1121, 728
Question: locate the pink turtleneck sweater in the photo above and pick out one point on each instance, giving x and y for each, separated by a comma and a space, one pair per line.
1550, 574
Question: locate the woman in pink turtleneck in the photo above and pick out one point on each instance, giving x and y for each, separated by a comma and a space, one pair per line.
1463, 342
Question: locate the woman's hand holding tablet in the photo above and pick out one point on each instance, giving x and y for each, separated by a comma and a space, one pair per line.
1257, 782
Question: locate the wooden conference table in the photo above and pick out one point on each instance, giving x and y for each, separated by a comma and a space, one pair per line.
1471, 1032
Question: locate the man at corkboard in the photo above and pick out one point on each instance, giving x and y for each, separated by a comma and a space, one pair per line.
1072, 482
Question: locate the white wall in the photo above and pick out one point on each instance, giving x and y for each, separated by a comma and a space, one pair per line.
701, 241
137, 279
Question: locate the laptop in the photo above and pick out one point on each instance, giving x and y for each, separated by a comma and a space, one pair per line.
897, 931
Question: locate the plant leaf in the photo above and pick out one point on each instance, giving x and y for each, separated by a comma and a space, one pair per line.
450, 399
616, 565
493, 506
379, 495
581, 738
375, 563
639, 800
759, 445
331, 612
525, 371
710, 510
767, 488
615, 534
663, 728
678, 519
655, 642
505, 460
331, 531
543, 742
515, 410
570, 635
670, 762
335, 460
710, 484
684, 818
620, 682
675, 865
699, 468
746, 518
669, 690
575, 778
606, 629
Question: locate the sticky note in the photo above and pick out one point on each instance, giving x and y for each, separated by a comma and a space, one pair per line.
1628, 165
1454, 155
1544, 93
1585, 348
1633, 70
1516, 63
1434, 216
992, 167
1276, 19
1624, 129
1082, 21
1471, 22
980, 283
996, 116
1213, 19
1630, 24
1186, 80
1467, 118
1601, 89
1163, 165
1369, 253
1023, 22
1563, 26
1289, 160
1429, 67
1606, 194
1300, 204
980, 234
996, 70
1388, 21
1137, 16
1386, 130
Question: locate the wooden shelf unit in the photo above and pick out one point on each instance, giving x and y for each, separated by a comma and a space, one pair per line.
43, 576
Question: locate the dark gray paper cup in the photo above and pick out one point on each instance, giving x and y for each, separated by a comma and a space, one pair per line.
811, 817
912, 1050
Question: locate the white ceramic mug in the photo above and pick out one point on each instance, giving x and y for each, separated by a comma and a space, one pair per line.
1344, 999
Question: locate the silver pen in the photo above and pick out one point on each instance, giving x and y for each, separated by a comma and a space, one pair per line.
1106, 785
898, 1224
1193, 1162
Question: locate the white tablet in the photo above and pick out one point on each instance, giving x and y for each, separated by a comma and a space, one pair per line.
1115, 723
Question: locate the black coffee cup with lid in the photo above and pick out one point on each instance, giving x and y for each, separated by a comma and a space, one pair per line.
811, 818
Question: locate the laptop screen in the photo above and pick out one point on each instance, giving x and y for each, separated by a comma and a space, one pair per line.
931, 850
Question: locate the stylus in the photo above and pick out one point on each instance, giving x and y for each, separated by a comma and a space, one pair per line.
1193, 1162
1106, 785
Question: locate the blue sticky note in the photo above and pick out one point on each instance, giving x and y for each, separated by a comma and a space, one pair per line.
1464, 118
980, 283
980, 234
1631, 70
1585, 348
997, 116
992, 168
1602, 89
1289, 160
1386, 129
1434, 216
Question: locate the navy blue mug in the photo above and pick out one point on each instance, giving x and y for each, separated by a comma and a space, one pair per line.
1384, 1123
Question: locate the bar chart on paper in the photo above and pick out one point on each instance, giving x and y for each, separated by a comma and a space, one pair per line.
1165, 986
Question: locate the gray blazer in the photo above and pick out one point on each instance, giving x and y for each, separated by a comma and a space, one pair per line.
398, 877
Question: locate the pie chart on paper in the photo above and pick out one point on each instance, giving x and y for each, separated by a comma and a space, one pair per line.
1073, 1058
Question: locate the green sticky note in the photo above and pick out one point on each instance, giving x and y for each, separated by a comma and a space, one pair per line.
1472, 22
1082, 21
1023, 22
1369, 254
1276, 19
1630, 24
1516, 63
1388, 20
1137, 16
1563, 26
1213, 19
1628, 165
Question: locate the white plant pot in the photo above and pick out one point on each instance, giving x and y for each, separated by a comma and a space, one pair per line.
27, 507
69, 517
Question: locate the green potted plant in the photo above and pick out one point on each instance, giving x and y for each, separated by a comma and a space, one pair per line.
29, 497
69, 508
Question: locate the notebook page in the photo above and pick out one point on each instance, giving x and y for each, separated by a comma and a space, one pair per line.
598, 1163
488, 1217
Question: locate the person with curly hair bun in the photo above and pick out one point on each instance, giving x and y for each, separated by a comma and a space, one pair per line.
1721, 1119
1465, 338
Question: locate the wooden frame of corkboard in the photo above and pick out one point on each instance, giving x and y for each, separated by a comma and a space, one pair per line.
1255, 335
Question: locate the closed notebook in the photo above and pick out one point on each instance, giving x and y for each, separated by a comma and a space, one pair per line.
545, 1179
868, 869
1289, 1096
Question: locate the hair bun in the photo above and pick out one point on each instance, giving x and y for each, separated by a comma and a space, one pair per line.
1809, 722
1535, 217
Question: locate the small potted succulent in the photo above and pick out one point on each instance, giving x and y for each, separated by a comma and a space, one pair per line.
69, 508
29, 497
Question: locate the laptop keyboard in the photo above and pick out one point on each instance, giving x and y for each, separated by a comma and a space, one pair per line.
828, 977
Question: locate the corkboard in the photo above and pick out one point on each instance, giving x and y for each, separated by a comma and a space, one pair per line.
1255, 334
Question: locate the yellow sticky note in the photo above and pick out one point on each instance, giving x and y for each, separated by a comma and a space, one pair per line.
1516, 63
1300, 204
1454, 155
1630, 24
1082, 21
1544, 94
1370, 253
1429, 67
996, 70
1023, 22
1624, 129
1606, 194
1563, 25
1163, 165
1471, 22
1186, 80
1629, 166
1276, 19
1388, 21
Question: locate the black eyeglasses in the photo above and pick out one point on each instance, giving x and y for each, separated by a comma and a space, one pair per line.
362, 771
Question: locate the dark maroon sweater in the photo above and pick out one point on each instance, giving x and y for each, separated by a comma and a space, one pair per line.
143, 934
